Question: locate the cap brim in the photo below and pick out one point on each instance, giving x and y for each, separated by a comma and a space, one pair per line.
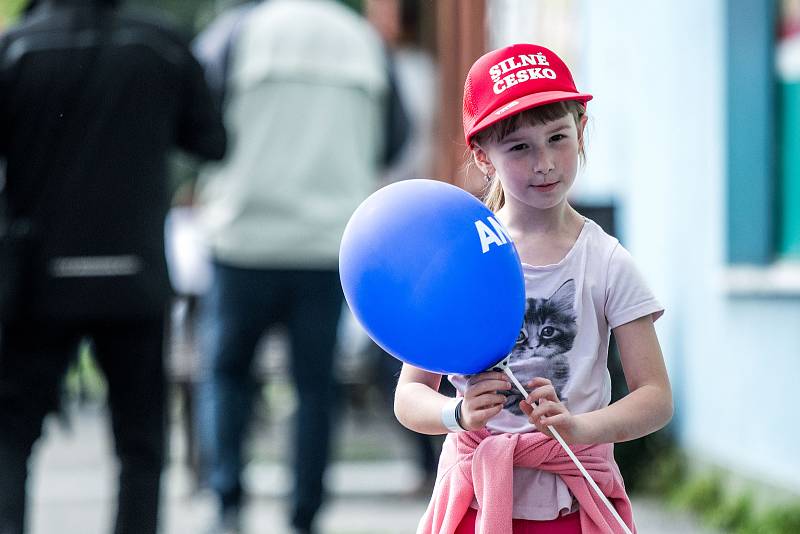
523, 103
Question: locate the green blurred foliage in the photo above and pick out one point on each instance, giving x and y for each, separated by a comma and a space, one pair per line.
709, 495
355, 5
700, 495
190, 15
9, 11
194, 15
732, 513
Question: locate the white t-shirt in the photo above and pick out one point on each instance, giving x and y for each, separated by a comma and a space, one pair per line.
570, 308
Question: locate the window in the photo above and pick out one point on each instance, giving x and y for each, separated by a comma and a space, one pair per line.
788, 78
763, 161
751, 138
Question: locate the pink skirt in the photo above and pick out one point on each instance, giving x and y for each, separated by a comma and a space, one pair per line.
566, 524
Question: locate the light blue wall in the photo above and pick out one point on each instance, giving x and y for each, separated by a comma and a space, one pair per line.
756, 375
657, 70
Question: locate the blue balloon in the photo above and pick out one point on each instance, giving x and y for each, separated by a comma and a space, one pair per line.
433, 277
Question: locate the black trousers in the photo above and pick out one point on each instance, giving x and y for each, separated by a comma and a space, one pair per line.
241, 305
33, 360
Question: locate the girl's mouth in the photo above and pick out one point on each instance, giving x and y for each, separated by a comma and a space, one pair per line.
544, 188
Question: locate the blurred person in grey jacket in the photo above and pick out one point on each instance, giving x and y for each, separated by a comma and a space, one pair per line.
92, 101
307, 98
399, 23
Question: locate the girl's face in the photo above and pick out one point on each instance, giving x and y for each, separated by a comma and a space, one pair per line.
536, 165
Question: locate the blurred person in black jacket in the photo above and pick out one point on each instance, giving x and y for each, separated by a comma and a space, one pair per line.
92, 101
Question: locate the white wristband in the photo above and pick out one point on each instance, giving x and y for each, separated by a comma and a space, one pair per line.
449, 415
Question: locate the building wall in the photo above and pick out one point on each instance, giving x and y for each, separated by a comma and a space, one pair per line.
657, 151
734, 361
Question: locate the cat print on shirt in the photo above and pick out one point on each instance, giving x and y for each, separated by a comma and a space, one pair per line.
544, 342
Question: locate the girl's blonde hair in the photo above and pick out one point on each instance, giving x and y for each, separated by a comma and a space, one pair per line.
493, 196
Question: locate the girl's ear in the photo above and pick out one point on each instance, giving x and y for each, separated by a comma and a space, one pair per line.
582, 129
482, 160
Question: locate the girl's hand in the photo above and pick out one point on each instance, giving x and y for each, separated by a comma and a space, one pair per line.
482, 400
550, 412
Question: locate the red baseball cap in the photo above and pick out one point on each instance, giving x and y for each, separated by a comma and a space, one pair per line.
512, 79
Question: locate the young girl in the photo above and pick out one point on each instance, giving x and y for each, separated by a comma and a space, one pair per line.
524, 123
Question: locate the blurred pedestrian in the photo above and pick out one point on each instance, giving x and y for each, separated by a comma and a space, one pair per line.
92, 101
398, 22
305, 94
416, 72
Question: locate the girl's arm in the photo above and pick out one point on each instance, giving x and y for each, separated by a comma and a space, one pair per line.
418, 403
647, 408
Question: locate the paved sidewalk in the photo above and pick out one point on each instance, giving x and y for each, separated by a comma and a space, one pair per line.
73, 482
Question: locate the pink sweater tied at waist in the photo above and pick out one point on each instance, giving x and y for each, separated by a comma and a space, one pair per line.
480, 467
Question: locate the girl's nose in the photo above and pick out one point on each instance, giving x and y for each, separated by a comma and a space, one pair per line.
543, 166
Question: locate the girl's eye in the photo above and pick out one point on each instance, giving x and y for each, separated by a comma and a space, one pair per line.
558, 137
521, 146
